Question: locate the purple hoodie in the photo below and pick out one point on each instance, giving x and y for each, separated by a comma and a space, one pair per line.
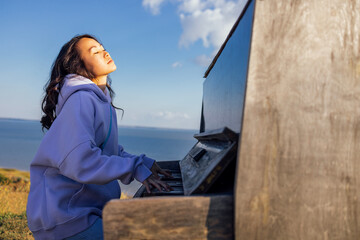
71, 176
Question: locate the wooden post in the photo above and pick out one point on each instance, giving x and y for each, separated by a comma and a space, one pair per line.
298, 173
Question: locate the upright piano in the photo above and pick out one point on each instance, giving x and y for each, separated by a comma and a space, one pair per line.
201, 204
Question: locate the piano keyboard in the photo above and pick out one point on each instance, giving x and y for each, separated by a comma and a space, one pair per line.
175, 183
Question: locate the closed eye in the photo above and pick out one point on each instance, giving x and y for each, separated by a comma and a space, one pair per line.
99, 51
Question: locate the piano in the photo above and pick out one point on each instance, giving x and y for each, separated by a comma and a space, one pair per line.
203, 181
277, 153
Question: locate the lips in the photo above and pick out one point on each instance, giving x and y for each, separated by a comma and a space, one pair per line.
110, 61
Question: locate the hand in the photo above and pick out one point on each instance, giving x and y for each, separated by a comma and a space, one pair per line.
155, 169
156, 182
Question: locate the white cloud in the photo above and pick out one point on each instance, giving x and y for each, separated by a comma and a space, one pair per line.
190, 6
206, 20
176, 64
153, 5
171, 115
203, 60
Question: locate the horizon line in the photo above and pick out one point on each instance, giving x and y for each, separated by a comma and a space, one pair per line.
130, 126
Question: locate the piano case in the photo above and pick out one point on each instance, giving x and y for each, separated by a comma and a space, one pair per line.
209, 166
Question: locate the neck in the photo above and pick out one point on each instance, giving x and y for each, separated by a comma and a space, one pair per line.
100, 82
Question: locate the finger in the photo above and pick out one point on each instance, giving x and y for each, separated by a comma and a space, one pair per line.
155, 184
167, 173
169, 188
166, 186
156, 175
147, 186
155, 167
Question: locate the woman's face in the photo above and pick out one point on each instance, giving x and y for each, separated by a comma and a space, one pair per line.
96, 59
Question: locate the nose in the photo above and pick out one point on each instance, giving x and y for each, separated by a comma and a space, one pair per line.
107, 54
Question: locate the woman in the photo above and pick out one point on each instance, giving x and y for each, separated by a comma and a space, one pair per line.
76, 168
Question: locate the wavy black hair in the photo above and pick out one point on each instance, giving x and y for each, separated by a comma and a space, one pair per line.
68, 61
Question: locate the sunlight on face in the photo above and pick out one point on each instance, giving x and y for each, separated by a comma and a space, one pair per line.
96, 59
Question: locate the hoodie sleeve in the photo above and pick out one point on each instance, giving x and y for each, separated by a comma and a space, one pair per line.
148, 162
81, 159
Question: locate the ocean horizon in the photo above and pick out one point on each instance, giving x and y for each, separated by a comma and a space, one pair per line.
127, 126
20, 139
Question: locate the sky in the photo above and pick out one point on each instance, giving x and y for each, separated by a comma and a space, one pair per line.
161, 48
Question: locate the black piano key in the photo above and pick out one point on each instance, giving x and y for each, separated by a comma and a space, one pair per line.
157, 193
174, 174
173, 170
174, 184
177, 190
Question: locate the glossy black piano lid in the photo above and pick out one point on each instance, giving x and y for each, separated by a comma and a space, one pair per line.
224, 87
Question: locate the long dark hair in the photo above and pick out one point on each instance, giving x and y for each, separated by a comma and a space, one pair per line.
68, 61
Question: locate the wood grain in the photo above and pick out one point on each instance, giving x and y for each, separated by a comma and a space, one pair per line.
299, 158
198, 217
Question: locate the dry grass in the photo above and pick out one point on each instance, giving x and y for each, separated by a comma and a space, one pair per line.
14, 226
14, 189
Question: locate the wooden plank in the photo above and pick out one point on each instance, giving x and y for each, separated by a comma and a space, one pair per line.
299, 160
198, 217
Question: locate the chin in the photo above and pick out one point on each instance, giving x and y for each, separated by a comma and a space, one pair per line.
111, 70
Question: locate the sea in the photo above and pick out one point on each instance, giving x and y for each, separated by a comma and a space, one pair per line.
20, 139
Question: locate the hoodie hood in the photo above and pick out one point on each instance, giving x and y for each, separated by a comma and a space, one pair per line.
74, 83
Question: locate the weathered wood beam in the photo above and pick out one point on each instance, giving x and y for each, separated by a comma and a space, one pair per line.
197, 217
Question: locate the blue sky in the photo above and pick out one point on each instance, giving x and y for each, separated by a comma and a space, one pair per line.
161, 48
